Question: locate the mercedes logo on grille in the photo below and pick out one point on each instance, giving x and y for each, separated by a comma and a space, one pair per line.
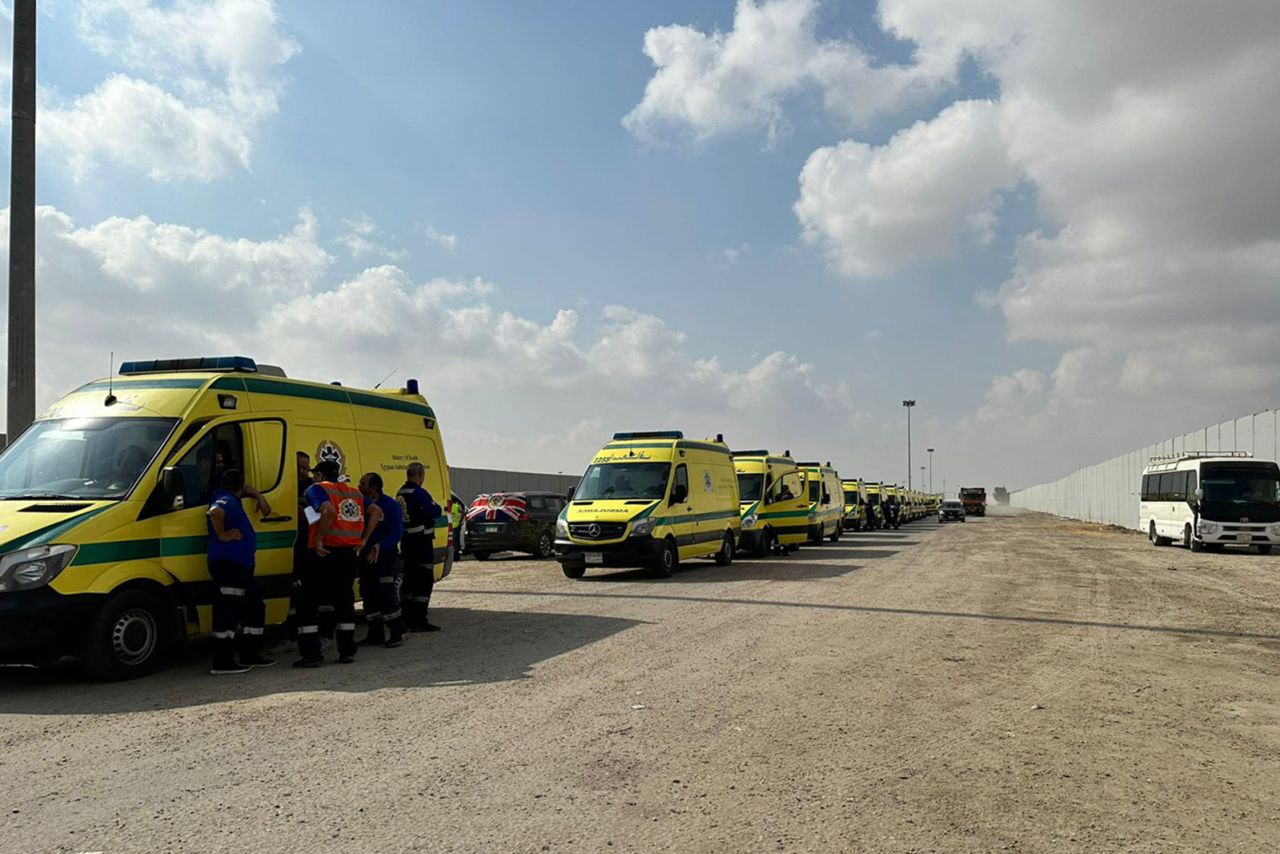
593, 531
1244, 519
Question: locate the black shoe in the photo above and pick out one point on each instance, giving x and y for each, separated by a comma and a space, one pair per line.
373, 639
347, 659
257, 661
228, 668
430, 627
396, 640
308, 662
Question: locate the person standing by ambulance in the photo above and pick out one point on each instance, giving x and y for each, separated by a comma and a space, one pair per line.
418, 548
233, 545
335, 513
380, 564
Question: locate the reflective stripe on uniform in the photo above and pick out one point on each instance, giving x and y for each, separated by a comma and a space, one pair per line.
231, 591
387, 579
224, 635
373, 615
419, 598
253, 630
346, 627
394, 615
308, 630
417, 529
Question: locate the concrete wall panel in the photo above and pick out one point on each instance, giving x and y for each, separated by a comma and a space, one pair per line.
1107, 492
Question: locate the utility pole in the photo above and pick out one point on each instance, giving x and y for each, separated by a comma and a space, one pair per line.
909, 404
930, 450
22, 224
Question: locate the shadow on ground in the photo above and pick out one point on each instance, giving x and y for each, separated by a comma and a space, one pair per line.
476, 646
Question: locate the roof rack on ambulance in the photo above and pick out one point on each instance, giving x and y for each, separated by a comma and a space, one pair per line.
1196, 455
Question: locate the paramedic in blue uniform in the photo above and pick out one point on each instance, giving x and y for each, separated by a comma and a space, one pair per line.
380, 564
418, 548
236, 603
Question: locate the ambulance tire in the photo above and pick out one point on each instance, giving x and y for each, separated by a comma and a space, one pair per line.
128, 637
835, 535
724, 557
574, 570
766, 544
668, 559
481, 555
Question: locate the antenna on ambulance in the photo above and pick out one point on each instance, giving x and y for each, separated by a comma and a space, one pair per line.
111, 375
387, 377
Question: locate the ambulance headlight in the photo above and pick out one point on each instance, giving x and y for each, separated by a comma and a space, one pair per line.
813, 515
642, 527
34, 567
749, 522
1209, 527
562, 528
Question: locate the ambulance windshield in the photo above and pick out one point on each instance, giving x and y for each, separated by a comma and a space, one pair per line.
81, 458
609, 481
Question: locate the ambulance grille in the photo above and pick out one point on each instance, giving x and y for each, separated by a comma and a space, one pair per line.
603, 530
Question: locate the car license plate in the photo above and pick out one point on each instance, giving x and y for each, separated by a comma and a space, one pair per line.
594, 557
491, 529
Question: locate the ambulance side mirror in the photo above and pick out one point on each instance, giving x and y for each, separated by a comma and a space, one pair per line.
174, 489
568, 496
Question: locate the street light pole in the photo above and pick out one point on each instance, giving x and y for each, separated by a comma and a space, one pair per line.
930, 450
909, 404
22, 224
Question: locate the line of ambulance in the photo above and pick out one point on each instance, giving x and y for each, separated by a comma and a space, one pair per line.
655, 499
103, 500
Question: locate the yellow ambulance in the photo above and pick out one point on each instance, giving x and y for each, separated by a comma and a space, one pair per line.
772, 500
855, 513
874, 516
103, 499
826, 501
651, 499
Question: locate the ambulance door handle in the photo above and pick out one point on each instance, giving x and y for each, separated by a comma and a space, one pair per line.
277, 519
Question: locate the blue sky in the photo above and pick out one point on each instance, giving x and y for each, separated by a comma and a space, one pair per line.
498, 127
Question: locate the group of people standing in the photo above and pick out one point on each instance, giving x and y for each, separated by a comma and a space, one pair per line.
345, 533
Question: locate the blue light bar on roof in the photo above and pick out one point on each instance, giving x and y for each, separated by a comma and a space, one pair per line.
198, 363
651, 434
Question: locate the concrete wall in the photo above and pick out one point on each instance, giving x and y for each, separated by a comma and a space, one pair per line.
1108, 492
468, 483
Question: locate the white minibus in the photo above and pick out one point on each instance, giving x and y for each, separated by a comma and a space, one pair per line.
1211, 499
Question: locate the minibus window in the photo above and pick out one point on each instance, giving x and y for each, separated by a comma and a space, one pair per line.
609, 481
202, 466
750, 487
1241, 485
87, 458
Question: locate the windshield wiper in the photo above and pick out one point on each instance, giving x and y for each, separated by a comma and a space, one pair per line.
46, 496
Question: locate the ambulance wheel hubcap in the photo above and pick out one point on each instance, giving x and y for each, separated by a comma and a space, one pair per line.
134, 636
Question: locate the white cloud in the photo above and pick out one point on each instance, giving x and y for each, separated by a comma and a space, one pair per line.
448, 241
362, 238
203, 76
733, 254
709, 83
1014, 396
876, 209
513, 391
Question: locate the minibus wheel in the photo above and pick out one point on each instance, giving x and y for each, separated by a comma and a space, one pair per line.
1156, 539
724, 557
127, 637
765, 545
668, 559
1189, 540
1264, 549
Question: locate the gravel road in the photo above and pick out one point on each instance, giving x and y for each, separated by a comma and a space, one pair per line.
1013, 683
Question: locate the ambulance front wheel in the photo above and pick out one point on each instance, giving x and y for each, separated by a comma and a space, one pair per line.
668, 559
127, 637
574, 570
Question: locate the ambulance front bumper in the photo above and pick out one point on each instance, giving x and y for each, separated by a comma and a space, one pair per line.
633, 551
38, 626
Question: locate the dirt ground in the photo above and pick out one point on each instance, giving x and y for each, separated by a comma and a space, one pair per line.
1013, 683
